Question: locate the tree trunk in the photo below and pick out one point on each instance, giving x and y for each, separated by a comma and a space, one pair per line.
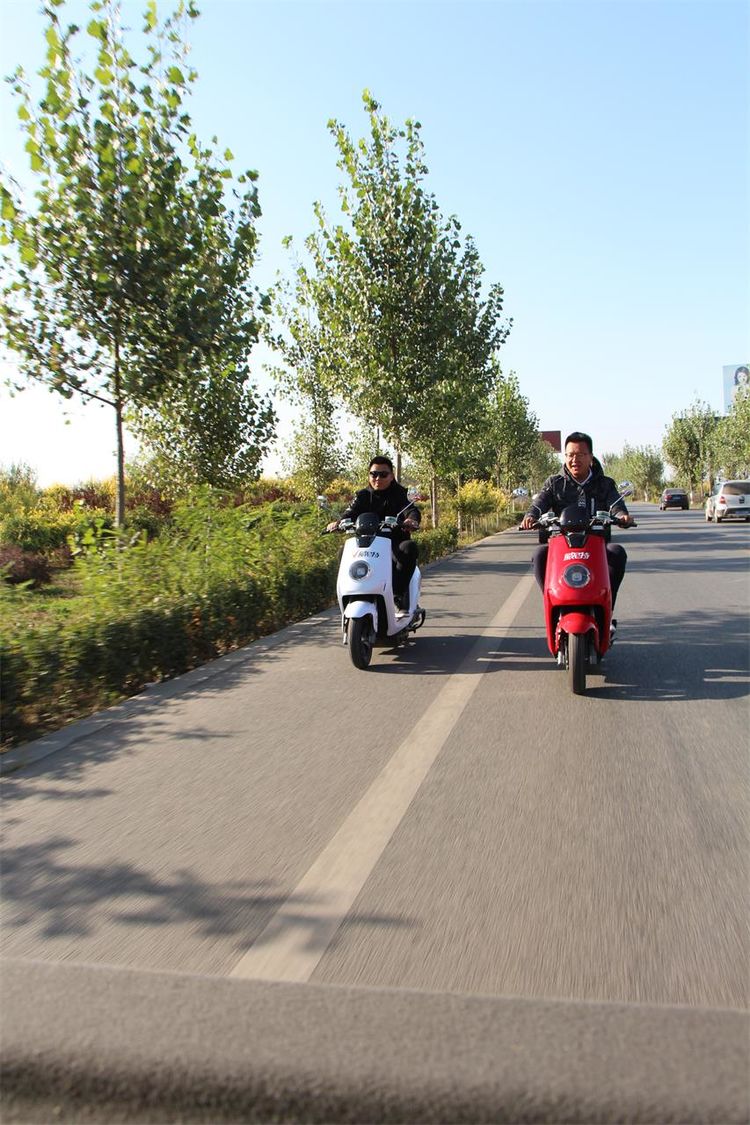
434, 499
120, 497
459, 521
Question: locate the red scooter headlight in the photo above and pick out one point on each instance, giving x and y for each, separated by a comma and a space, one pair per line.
576, 576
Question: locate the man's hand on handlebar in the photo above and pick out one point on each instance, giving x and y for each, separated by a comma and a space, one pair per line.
333, 526
410, 525
527, 523
623, 520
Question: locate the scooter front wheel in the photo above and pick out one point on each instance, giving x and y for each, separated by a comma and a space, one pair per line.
577, 645
360, 641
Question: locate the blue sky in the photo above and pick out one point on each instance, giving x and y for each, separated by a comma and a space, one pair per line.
597, 152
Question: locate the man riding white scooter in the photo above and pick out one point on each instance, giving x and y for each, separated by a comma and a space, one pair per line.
386, 497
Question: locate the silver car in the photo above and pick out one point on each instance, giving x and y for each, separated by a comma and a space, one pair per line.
730, 500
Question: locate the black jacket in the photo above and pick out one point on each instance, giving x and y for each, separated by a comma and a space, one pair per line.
598, 494
390, 502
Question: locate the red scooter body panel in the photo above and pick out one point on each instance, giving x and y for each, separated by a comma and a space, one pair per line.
572, 608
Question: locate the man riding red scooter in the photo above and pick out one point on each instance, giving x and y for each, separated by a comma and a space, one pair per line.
581, 578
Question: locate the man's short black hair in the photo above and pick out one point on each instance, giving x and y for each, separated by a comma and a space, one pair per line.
381, 461
579, 439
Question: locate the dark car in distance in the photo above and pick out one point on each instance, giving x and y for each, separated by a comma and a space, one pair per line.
674, 498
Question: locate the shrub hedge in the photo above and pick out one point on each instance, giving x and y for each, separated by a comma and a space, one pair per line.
91, 654
39, 530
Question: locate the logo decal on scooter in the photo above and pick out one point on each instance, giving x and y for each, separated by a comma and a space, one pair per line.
372, 554
576, 555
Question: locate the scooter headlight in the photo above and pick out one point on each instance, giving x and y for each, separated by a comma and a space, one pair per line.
359, 570
576, 576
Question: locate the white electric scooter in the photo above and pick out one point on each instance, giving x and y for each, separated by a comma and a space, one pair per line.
369, 615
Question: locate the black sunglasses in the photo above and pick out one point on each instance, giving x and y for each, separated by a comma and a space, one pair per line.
382, 473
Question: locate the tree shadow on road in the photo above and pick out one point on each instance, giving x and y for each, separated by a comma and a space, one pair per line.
693, 656
46, 891
702, 655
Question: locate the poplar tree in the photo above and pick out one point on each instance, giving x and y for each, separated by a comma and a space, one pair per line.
116, 280
405, 331
688, 444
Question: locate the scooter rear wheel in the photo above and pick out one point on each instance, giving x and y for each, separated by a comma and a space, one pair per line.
577, 663
360, 641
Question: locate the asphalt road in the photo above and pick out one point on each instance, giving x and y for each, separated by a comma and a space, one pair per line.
453, 819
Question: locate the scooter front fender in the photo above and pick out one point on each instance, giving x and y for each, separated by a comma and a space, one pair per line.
357, 608
581, 623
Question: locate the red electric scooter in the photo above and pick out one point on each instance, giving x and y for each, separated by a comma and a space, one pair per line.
577, 592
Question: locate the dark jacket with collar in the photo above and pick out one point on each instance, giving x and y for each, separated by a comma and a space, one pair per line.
597, 494
391, 501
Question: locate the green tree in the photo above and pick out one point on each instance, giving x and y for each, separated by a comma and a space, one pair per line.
543, 462
19, 488
614, 466
116, 283
451, 416
732, 438
314, 456
643, 466
688, 445
213, 429
365, 442
514, 431
394, 292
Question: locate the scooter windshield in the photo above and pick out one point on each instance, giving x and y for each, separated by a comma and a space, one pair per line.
366, 528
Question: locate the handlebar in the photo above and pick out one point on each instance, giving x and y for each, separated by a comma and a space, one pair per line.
601, 519
388, 523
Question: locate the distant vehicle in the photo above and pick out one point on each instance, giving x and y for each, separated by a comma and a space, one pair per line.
674, 498
730, 500
520, 492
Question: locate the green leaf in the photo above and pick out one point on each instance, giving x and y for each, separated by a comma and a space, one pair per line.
9, 210
150, 15
23, 113
28, 255
103, 76
97, 29
228, 154
174, 74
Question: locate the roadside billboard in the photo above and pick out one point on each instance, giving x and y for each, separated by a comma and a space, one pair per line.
736, 375
553, 437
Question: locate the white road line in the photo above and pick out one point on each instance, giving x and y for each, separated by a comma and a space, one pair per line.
300, 931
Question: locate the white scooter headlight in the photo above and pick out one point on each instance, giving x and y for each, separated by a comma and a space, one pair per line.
359, 570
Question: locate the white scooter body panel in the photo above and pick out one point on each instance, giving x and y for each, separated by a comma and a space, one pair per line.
356, 595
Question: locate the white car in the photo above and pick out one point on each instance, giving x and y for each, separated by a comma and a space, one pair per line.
730, 500
520, 492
